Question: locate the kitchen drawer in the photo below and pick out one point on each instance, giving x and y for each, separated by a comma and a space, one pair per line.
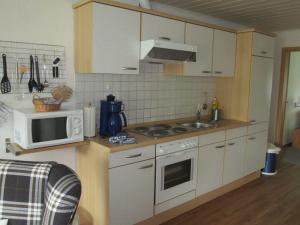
263, 45
235, 133
207, 139
257, 128
131, 156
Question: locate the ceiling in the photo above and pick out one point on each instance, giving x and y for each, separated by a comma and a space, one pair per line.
270, 15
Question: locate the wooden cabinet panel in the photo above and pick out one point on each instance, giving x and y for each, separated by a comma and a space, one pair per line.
263, 45
156, 27
224, 52
260, 89
131, 193
202, 37
256, 149
234, 159
210, 167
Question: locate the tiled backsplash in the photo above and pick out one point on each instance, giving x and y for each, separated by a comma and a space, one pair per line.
149, 96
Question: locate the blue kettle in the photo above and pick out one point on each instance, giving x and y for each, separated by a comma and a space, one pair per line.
111, 116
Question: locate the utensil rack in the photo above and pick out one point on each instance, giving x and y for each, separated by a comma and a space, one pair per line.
22, 51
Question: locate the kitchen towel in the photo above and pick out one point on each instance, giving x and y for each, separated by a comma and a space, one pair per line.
89, 117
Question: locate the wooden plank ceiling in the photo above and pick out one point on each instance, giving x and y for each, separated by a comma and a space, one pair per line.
270, 15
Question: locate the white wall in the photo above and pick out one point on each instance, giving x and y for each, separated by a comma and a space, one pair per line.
290, 38
45, 22
51, 22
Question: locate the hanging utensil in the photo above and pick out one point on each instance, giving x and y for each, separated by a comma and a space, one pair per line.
39, 87
46, 83
55, 70
30, 82
23, 70
5, 84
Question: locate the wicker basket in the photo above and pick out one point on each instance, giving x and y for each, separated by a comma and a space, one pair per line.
41, 106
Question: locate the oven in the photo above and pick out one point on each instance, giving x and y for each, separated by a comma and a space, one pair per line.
176, 169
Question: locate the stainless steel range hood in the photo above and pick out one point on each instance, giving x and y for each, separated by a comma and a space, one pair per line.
167, 52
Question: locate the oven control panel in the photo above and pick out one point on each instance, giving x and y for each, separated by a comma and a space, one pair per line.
175, 146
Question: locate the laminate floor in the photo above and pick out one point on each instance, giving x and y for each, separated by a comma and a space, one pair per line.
266, 201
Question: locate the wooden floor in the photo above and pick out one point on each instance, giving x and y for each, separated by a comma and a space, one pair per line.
266, 201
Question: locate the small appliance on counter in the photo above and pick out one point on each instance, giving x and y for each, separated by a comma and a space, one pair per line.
111, 115
35, 129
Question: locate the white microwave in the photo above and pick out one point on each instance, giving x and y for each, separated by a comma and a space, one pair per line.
35, 130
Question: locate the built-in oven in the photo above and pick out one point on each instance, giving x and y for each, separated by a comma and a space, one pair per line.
176, 169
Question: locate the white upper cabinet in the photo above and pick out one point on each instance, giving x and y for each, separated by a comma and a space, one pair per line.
260, 89
224, 52
156, 27
116, 40
263, 45
202, 37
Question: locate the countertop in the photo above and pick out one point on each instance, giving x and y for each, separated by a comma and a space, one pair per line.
142, 141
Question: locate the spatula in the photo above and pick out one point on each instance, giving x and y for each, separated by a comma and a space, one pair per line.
5, 84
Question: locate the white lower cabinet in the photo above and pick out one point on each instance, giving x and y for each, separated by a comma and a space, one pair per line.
256, 149
234, 159
210, 167
131, 193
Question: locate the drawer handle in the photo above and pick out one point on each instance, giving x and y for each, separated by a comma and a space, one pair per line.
165, 38
252, 138
252, 121
129, 68
146, 167
263, 52
231, 144
133, 156
218, 72
206, 71
220, 146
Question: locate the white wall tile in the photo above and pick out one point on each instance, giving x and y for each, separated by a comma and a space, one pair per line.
148, 96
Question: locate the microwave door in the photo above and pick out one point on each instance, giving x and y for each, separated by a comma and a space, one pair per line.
49, 129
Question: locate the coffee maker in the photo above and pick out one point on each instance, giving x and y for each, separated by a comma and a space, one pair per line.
110, 117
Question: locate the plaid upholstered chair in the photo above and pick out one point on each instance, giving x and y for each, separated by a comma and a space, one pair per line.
38, 193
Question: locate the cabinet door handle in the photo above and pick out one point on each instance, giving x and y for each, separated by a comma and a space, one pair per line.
133, 156
231, 144
206, 71
165, 38
218, 72
220, 146
146, 167
252, 138
129, 68
263, 52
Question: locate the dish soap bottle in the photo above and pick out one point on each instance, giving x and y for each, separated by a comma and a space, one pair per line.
215, 111
214, 104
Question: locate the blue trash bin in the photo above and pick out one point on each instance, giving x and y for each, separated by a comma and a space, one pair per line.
271, 160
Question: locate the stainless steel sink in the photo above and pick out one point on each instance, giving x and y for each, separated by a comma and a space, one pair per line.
197, 125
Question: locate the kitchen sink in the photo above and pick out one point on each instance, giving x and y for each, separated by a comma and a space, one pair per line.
197, 125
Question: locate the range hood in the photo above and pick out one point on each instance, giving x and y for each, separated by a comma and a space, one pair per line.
159, 51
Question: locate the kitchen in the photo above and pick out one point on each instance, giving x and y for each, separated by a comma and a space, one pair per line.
148, 94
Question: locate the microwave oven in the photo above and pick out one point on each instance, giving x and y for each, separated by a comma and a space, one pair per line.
36, 130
